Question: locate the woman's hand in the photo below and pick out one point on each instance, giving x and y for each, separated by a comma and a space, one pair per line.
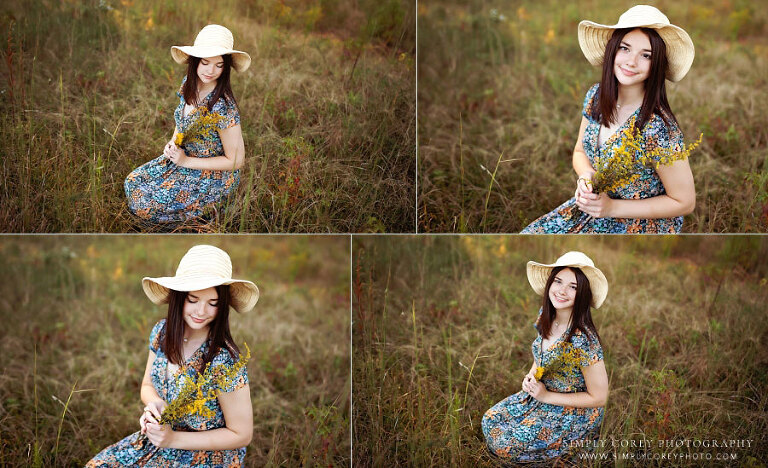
534, 388
175, 154
597, 206
152, 413
160, 436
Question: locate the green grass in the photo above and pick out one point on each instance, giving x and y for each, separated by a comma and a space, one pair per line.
443, 327
511, 78
74, 343
327, 108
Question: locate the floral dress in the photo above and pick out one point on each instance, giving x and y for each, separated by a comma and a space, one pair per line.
128, 452
162, 192
523, 429
654, 134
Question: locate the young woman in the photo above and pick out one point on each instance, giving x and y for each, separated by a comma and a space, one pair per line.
637, 54
189, 181
195, 333
563, 409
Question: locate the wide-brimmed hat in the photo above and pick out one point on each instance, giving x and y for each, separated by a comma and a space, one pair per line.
211, 41
538, 274
593, 38
203, 267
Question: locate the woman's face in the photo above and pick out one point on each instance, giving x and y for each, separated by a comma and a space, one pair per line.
200, 308
632, 64
209, 69
562, 292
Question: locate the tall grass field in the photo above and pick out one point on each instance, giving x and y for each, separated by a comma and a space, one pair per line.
442, 331
500, 93
74, 343
88, 89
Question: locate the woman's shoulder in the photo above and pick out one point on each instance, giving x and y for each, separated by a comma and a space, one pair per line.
662, 129
582, 338
589, 101
180, 92
155, 334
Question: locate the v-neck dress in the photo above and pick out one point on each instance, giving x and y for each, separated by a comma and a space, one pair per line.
162, 192
127, 452
523, 429
654, 134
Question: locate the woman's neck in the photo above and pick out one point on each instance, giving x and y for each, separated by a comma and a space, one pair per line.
195, 335
563, 316
631, 95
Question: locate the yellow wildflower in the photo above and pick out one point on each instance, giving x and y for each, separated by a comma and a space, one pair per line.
202, 127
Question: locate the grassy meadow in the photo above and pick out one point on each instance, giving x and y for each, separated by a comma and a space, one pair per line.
327, 107
442, 330
500, 92
76, 325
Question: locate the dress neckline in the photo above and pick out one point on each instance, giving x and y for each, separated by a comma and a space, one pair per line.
615, 133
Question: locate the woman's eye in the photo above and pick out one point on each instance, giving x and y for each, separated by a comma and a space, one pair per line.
191, 301
624, 48
647, 56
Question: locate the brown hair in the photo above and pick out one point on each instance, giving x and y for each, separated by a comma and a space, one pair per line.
222, 90
655, 100
172, 334
581, 316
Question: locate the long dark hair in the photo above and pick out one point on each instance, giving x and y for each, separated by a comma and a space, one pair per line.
655, 100
581, 316
172, 335
222, 90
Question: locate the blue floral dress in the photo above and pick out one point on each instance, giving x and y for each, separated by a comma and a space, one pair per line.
523, 429
162, 192
566, 218
128, 452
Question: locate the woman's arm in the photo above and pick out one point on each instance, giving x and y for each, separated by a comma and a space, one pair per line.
581, 164
596, 395
238, 415
234, 153
148, 392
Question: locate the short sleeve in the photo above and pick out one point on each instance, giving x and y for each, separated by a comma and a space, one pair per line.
154, 336
590, 349
228, 110
589, 101
222, 363
657, 134
536, 322
181, 87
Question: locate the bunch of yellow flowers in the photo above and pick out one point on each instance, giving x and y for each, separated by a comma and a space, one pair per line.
203, 127
568, 360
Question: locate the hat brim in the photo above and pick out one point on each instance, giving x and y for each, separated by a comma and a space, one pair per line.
538, 274
593, 37
240, 60
243, 294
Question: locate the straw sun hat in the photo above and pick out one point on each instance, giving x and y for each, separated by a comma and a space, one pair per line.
211, 41
203, 267
538, 274
593, 38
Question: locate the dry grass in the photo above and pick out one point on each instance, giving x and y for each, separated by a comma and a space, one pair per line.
75, 317
510, 79
443, 327
327, 111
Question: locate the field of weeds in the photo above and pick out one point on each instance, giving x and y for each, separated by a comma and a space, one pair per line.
76, 325
443, 327
500, 92
327, 107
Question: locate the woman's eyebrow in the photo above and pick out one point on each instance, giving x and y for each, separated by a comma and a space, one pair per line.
628, 45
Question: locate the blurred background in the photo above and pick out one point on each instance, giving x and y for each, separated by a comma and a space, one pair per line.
501, 86
442, 330
327, 106
76, 325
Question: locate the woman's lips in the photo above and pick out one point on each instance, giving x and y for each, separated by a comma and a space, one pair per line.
627, 72
197, 320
